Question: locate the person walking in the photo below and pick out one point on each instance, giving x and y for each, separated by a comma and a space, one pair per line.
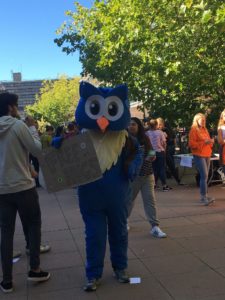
158, 141
145, 181
17, 190
201, 145
170, 149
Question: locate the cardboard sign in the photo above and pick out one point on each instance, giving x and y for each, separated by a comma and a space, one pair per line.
74, 163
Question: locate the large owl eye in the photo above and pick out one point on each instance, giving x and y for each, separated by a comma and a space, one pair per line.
113, 108
94, 106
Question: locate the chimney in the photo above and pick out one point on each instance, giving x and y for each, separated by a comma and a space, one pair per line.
17, 76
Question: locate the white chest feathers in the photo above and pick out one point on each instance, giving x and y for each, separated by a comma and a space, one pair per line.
108, 146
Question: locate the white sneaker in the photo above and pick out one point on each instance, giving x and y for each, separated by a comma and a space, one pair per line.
157, 232
43, 249
207, 200
128, 225
220, 171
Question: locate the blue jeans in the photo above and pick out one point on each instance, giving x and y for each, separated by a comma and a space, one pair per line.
202, 164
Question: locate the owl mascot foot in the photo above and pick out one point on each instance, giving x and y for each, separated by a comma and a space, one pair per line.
104, 114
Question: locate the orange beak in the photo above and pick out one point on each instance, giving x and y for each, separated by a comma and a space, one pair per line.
103, 123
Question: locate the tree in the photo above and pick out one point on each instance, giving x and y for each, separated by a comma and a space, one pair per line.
56, 102
170, 52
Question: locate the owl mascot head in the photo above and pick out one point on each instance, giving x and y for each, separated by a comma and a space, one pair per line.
104, 114
103, 108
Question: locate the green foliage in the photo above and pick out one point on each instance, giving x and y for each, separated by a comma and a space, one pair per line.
170, 52
56, 102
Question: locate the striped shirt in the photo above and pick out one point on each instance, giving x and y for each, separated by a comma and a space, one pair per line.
146, 168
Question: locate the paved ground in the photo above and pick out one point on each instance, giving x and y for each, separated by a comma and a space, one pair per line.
188, 265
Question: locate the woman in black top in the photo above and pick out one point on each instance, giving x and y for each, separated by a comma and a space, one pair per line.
170, 148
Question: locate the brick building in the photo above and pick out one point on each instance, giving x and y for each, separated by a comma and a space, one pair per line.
26, 90
136, 112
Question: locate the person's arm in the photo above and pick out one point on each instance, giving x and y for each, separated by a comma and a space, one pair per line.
135, 165
209, 141
34, 132
163, 137
33, 173
133, 158
32, 144
194, 143
221, 141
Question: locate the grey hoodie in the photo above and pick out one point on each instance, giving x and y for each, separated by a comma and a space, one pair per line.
16, 142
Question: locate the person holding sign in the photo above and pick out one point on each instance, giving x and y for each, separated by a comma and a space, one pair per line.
201, 145
104, 113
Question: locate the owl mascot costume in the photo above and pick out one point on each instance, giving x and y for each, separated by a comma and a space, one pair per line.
104, 114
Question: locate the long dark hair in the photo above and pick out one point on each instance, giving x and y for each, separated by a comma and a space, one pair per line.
141, 136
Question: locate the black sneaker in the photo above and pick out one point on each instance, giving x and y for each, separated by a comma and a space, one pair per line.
121, 276
38, 276
156, 187
6, 287
91, 285
166, 188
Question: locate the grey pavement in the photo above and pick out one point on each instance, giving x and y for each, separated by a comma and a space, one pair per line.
188, 265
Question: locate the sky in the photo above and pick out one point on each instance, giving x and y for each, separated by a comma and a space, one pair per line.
27, 33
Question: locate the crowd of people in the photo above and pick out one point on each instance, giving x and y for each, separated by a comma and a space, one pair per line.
20, 145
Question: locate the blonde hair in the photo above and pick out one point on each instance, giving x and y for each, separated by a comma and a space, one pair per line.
153, 124
160, 121
196, 118
221, 120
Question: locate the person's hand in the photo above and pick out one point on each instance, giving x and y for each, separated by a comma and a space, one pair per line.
153, 158
150, 158
57, 142
33, 173
209, 141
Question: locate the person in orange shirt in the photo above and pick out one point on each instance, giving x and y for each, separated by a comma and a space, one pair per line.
201, 145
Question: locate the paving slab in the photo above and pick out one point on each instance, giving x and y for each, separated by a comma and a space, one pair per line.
194, 285
188, 265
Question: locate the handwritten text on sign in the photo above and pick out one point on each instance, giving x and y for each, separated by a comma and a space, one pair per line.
74, 164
